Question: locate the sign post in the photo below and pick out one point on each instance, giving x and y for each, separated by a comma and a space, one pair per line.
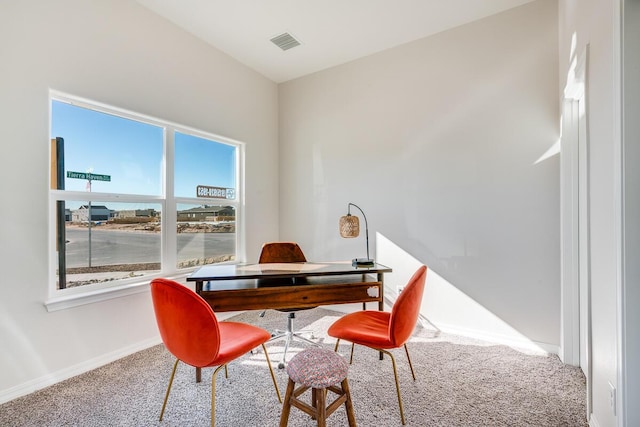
89, 177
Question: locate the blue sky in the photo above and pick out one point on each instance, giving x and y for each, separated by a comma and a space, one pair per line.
131, 153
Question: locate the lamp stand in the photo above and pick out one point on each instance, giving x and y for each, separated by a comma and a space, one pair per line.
362, 262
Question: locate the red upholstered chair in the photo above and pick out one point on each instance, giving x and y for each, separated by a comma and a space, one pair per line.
191, 332
284, 252
382, 330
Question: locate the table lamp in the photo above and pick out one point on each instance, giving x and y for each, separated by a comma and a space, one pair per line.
350, 227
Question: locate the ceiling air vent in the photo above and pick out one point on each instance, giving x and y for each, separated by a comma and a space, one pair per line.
285, 41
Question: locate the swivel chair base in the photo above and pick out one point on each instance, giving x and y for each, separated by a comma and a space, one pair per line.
289, 335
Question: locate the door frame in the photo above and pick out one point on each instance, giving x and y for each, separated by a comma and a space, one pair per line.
627, 90
573, 160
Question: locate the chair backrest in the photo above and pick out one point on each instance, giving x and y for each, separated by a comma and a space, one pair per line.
406, 309
187, 324
281, 252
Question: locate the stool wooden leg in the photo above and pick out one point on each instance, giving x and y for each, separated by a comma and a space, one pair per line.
349, 404
286, 407
314, 401
321, 407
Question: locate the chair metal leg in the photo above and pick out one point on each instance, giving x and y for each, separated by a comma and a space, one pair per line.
406, 350
395, 371
352, 347
287, 341
213, 394
395, 375
273, 377
166, 396
213, 385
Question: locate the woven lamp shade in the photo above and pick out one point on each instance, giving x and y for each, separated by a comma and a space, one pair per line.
349, 226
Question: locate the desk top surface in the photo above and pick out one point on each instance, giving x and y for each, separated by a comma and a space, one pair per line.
281, 270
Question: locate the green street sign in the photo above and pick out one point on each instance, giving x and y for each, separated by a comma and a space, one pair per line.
89, 176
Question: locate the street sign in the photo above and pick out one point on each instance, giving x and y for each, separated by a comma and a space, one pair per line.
215, 192
89, 176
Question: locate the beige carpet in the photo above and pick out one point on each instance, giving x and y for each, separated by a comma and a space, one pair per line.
461, 382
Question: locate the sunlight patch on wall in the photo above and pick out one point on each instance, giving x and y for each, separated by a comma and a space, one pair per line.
552, 151
445, 306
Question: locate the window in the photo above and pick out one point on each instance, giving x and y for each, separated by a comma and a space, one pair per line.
133, 197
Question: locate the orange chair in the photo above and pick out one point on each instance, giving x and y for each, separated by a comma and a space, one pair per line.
191, 332
284, 252
382, 330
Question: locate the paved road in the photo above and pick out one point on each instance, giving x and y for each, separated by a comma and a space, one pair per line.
127, 247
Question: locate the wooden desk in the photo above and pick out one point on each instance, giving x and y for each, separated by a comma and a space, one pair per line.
288, 285
242, 287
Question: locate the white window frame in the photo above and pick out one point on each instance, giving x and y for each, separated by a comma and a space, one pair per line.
59, 299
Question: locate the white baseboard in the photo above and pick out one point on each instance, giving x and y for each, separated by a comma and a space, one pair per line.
511, 341
71, 371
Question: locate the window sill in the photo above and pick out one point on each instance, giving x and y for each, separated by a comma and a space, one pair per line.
75, 300
70, 300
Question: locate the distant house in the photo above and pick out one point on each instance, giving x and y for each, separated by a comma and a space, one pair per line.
136, 213
98, 213
207, 213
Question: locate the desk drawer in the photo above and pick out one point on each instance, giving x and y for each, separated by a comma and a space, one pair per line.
293, 296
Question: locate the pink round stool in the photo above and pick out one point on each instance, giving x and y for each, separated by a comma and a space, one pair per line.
321, 370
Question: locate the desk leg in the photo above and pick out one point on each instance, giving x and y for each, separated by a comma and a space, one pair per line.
381, 302
364, 304
198, 370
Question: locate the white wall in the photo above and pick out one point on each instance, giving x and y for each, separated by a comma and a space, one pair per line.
592, 22
437, 141
119, 53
